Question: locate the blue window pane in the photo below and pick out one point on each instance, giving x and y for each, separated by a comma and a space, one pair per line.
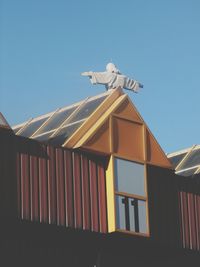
44, 137
56, 120
32, 127
65, 133
120, 213
131, 214
192, 160
175, 160
189, 172
87, 109
129, 177
142, 216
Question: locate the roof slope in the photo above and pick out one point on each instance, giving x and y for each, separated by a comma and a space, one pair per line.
56, 127
121, 131
186, 162
108, 123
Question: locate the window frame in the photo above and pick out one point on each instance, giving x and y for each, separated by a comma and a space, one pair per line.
132, 196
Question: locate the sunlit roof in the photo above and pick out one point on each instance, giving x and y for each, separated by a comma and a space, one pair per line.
186, 162
3, 122
56, 127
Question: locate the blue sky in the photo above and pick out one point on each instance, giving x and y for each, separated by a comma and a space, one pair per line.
45, 45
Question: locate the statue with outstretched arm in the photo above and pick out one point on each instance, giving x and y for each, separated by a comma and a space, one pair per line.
112, 78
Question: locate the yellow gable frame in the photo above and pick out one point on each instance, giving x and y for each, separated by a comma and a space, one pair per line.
116, 128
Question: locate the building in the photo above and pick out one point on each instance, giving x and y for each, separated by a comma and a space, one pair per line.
89, 185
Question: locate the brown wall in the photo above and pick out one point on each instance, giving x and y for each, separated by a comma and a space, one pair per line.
174, 208
54, 185
8, 183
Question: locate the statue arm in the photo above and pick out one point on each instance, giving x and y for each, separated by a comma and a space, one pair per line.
132, 85
98, 77
87, 73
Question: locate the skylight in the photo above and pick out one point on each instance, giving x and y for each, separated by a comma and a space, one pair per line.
56, 127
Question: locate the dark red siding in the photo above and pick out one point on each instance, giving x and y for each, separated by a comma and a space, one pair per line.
59, 186
190, 219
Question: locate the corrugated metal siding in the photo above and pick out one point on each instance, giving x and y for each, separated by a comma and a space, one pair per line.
53, 185
174, 208
189, 210
61, 187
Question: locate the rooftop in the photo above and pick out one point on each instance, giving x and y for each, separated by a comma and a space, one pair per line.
187, 161
57, 126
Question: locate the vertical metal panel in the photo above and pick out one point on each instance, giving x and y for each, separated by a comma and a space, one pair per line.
68, 188
102, 198
197, 219
192, 226
85, 193
18, 177
189, 219
60, 184
55, 185
25, 187
185, 222
43, 194
52, 201
94, 196
34, 188
77, 190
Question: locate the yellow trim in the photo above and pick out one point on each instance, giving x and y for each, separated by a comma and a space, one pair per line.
100, 122
111, 142
110, 195
134, 159
126, 119
93, 118
147, 199
147, 128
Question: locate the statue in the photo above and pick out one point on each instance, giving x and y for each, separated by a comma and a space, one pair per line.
112, 78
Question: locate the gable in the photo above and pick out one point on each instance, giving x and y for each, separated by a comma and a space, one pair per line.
121, 131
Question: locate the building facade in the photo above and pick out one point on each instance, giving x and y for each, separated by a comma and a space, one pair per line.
89, 185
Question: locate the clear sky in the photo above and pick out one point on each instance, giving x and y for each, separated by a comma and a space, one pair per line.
46, 44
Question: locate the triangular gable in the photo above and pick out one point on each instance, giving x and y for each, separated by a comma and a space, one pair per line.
126, 110
100, 142
100, 112
121, 131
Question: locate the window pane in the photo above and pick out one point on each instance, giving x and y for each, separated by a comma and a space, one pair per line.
57, 120
142, 216
44, 137
120, 213
176, 159
131, 214
129, 177
32, 127
65, 133
188, 172
87, 109
192, 160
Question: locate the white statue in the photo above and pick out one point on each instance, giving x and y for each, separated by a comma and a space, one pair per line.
112, 78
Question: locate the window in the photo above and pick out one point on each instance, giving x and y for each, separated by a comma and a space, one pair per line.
130, 196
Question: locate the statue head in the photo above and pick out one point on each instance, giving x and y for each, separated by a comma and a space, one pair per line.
110, 67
